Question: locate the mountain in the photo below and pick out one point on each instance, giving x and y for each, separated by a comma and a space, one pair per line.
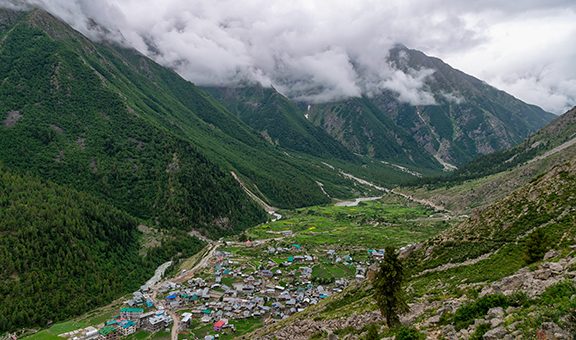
493, 275
63, 252
469, 118
492, 177
106, 120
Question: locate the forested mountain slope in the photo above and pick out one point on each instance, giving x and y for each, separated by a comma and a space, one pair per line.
63, 252
278, 120
66, 121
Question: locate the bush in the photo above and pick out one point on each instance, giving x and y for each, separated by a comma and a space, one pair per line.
372, 333
409, 333
466, 314
480, 331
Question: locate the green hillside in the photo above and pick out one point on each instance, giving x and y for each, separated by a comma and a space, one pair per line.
64, 121
63, 252
487, 276
560, 134
279, 120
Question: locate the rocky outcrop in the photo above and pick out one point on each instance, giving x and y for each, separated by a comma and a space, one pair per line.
535, 282
303, 329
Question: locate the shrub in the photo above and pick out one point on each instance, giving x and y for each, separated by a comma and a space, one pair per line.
466, 314
409, 333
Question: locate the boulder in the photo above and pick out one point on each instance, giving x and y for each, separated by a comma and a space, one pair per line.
556, 268
496, 312
495, 322
551, 254
543, 274
495, 334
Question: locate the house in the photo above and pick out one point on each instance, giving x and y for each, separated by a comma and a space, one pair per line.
108, 333
131, 313
218, 325
90, 333
127, 327
156, 321
186, 318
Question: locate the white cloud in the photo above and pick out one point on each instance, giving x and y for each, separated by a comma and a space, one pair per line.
318, 50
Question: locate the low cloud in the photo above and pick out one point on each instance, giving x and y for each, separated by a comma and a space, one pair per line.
317, 51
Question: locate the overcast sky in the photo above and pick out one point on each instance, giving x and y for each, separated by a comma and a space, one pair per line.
320, 50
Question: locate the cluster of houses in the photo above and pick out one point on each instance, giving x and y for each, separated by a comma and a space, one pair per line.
128, 321
234, 291
239, 291
132, 319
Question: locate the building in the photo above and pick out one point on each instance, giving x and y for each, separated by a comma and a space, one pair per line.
156, 322
131, 313
218, 325
127, 327
108, 333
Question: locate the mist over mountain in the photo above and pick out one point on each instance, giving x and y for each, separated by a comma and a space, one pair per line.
319, 52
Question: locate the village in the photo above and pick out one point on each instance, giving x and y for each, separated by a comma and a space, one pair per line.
241, 283
271, 284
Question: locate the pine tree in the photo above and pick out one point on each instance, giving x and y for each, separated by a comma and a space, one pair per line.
536, 246
388, 288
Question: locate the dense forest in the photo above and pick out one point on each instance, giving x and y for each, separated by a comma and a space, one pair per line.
63, 252
75, 131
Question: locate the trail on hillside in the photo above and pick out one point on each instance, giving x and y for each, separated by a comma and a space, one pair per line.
553, 151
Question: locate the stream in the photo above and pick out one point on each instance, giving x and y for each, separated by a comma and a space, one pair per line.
157, 276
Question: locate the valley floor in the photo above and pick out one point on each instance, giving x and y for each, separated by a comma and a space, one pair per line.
282, 268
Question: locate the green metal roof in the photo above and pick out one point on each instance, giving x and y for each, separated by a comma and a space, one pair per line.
131, 310
107, 330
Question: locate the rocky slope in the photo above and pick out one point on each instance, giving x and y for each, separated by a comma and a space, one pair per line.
469, 118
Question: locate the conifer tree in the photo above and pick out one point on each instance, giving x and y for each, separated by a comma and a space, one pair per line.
388, 288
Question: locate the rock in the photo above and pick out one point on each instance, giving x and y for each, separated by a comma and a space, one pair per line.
513, 326
495, 322
511, 310
551, 254
552, 331
495, 334
449, 332
556, 268
434, 319
496, 312
543, 274
516, 334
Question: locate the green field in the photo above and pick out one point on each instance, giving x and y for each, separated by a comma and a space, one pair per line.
332, 271
391, 221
